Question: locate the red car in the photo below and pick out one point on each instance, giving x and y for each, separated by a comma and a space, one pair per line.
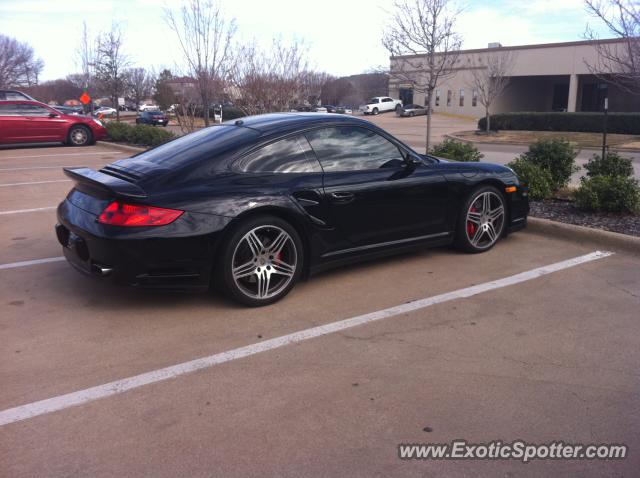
35, 122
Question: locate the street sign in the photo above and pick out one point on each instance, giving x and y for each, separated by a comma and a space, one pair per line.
85, 98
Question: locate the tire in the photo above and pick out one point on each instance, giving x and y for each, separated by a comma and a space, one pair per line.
79, 135
375, 111
481, 224
411, 114
249, 267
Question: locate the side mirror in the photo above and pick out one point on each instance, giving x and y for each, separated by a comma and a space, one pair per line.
411, 161
53, 115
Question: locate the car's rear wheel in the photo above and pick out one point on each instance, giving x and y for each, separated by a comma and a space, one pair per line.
262, 261
482, 220
79, 136
375, 111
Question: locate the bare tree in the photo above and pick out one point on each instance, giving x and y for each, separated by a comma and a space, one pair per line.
139, 84
85, 56
18, 64
618, 62
163, 93
206, 38
110, 64
424, 46
490, 77
275, 79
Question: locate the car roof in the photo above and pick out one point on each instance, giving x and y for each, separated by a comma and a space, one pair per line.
272, 122
24, 102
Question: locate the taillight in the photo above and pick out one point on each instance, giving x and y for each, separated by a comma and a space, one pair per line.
132, 215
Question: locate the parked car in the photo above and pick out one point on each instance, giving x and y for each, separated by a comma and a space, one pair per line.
146, 107
344, 110
319, 109
12, 95
34, 122
330, 108
411, 110
105, 111
266, 200
69, 110
153, 118
380, 104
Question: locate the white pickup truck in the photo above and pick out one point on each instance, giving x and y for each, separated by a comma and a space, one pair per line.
380, 104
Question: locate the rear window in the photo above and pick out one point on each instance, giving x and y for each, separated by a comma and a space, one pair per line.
207, 143
156, 113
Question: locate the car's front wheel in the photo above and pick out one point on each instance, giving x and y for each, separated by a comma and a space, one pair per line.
261, 261
375, 111
79, 136
482, 220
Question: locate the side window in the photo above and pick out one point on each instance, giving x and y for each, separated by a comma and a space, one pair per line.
33, 110
386, 100
437, 98
461, 97
289, 155
474, 99
448, 97
9, 110
350, 148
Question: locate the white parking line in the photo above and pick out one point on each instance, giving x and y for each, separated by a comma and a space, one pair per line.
62, 402
55, 155
5, 185
15, 265
21, 211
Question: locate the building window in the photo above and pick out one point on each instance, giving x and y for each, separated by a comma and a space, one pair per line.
437, 98
448, 97
461, 97
474, 99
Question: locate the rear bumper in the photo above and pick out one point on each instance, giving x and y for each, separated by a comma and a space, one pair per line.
161, 262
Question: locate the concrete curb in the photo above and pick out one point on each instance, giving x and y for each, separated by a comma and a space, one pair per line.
581, 235
121, 147
516, 143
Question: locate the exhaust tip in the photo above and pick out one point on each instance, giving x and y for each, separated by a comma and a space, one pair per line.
103, 270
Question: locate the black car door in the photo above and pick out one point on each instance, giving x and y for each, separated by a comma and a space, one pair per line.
376, 196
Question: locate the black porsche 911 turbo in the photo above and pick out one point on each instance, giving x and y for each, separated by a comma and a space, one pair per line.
258, 203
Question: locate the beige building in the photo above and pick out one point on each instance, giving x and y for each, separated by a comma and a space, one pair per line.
547, 77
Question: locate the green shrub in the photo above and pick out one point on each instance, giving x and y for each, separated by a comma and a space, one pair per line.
118, 131
556, 156
538, 179
608, 193
141, 134
612, 165
622, 123
457, 151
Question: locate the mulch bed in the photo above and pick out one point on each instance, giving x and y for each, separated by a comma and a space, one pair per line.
565, 211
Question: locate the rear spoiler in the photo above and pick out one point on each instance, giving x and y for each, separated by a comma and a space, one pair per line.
103, 183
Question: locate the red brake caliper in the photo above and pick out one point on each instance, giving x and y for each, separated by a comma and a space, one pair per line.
471, 227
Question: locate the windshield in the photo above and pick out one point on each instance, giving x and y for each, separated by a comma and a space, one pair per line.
374, 100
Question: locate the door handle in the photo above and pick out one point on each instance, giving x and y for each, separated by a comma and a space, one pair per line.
342, 196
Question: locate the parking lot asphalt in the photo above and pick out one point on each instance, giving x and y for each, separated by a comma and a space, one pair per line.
549, 358
412, 132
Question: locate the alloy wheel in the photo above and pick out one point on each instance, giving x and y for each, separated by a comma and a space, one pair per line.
79, 136
264, 262
485, 220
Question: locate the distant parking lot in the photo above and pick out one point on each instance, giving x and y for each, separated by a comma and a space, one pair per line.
549, 355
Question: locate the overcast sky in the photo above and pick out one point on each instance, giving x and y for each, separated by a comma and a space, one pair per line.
343, 35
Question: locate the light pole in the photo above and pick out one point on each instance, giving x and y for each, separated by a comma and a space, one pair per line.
604, 128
